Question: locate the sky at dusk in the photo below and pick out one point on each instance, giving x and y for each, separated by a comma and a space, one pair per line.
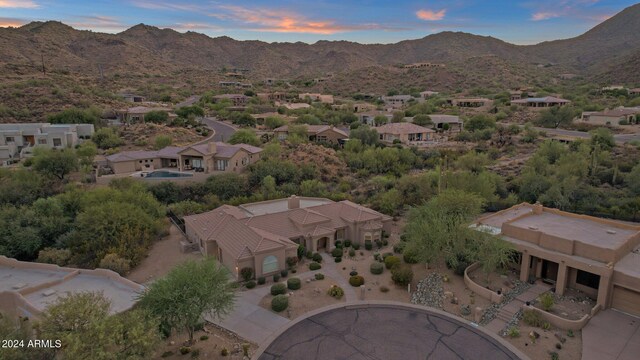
365, 21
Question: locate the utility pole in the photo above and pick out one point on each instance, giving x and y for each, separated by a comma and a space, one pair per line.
44, 70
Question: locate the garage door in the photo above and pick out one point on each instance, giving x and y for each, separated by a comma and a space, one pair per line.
626, 300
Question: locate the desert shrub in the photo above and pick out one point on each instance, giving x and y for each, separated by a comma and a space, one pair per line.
245, 349
356, 280
279, 303
546, 301
378, 243
59, 257
347, 243
195, 353
532, 318
352, 252
339, 244
261, 280
399, 247
390, 261
309, 254
278, 289
292, 261
185, 350
246, 273
284, 273
385, 255
385, 242
314, 266
377, 257
554, 356
376, 268
317, 258
355, 246
319, 276
166, 354
224, 352
336, 292
368, 245
336, 252
570, 333
546, 326
250, 284
276, 277
339, 259
558, 346
115, 263
294, 284
204, 337
353, 273
401, 275
384, 289
514, 332
410, 257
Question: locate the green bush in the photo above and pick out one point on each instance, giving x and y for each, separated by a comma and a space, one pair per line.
356, 280
376, 268
284, 273
294, 284
115, 263
532, 318
339, 259
276, 277
514, 332
390, 261
347, 243
224, 352
195, 353
319, 276
185, 350
317, 258
410, 257
292, 261
309, 254
355, 246
246, 273
352, 252
250, 284
336, 292
401, 274
336, 252
399, 247
261, 280
570, 333
59, 257
314, 266
278, 289
368, 245
279, 303
546, 301
204, 337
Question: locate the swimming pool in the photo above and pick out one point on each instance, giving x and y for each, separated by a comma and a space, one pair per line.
167, 174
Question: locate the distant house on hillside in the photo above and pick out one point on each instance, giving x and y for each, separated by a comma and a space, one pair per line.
452, 122
427, 94
236, 99
272, 96
634, 92
368, 117
318, 133
208, 157
396, 101
515, 95
406, 133
612, 117
325, 99
132, 97
423, 65
567, 76
261, 236
547, 101
471, 102
136, 114
294, 106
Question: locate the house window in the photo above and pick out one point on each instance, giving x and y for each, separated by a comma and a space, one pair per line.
339, 234
245, 161
588, 279
197, 163
222, 164
42, 141
367, 236
9, 139
269, 264
57, 142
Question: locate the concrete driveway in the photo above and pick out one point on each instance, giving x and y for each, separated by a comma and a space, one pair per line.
611, 335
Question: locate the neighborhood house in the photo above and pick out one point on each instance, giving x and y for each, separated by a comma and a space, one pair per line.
613, 117
318, 133
547, 101
596, 256
263, 235
404, 132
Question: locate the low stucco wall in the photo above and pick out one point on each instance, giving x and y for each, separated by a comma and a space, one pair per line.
560, 322
480, 290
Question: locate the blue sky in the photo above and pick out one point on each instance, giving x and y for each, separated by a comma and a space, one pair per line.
365, 21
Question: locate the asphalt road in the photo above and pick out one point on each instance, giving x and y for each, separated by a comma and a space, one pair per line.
223, 131
619, 138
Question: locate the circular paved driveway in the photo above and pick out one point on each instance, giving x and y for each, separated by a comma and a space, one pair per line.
384, 331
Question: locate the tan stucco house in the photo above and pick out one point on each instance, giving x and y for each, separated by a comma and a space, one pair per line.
611, 117
543, 102
318, 133
262, 235
406, 133
597, 256
208, 158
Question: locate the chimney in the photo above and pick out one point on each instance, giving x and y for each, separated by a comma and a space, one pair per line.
212, 147
537, 208
293, 202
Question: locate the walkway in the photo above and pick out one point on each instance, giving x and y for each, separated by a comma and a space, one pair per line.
611, 335
252, 322
507, 312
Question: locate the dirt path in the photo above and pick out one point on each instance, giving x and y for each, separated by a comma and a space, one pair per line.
164, 255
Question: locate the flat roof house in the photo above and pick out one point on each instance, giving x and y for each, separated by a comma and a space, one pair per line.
18, 140
236, 99
262, 235
136, 114
612, 117
26, 288
407, 133
318, 133
453, 122
427, 94
368, 117
634, 92
471, 102
597, 256
547, 101
208, 158
396, 101
326, 99
272, 96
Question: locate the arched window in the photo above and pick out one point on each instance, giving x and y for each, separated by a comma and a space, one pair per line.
269, 264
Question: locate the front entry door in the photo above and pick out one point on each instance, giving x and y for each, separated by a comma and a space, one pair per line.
549, 271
